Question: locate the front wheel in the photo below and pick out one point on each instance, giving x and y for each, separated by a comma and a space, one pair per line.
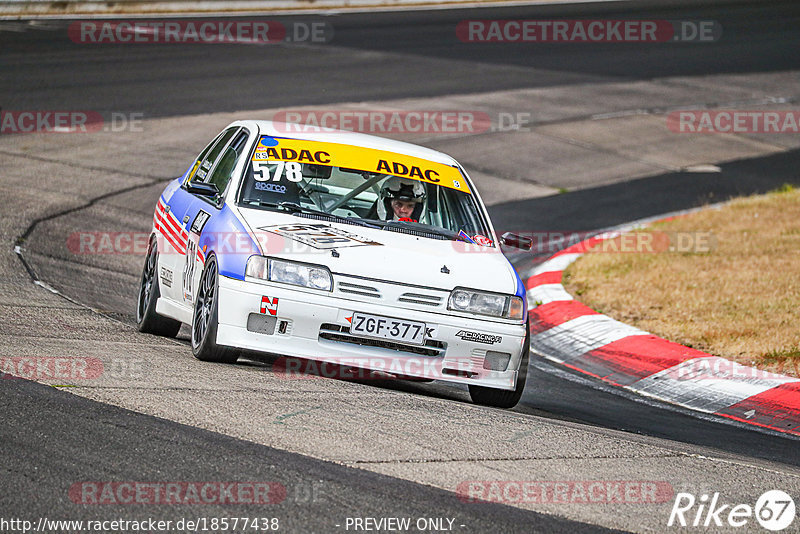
503, 398
147, 320
205, 319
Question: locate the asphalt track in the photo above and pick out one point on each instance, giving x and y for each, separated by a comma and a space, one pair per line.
44, 70
52, 438
317, 495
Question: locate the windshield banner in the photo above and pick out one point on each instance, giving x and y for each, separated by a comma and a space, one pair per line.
359, 158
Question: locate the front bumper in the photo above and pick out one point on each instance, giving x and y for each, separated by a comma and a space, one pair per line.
314, 326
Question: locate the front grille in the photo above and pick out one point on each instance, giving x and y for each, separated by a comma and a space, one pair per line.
341, 334
358, 289
420, 298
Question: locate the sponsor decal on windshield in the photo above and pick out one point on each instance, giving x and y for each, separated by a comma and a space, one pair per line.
283, 149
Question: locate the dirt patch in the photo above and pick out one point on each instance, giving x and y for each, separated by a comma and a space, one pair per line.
725, 281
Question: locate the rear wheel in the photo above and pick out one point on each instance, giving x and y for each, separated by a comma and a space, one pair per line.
205, 319
147, 320
503, 398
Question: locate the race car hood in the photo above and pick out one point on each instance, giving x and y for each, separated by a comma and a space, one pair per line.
378, 254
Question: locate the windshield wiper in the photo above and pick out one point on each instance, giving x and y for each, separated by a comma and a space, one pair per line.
449, 234
293, 207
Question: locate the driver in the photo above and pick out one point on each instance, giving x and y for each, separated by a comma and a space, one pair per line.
402, 199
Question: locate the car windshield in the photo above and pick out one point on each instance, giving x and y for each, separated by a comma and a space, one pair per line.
362, 185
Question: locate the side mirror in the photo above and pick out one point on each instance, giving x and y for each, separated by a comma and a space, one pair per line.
517, 241
203, 189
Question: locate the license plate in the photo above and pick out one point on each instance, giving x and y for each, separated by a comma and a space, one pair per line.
387, 328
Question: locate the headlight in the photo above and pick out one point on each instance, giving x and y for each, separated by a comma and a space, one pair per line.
289, 272
481, 303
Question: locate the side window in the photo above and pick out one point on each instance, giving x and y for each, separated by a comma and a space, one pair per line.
205, 162
201, 157
466, 215
222, 172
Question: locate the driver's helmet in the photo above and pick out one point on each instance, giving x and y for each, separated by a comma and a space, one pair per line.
396, 188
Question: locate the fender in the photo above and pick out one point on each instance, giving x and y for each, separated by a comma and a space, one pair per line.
227, 238
521, 291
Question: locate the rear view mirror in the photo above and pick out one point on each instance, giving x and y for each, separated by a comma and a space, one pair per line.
316, 172
364, 174
517, 241
202, 188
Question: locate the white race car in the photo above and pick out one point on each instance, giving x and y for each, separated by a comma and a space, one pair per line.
337, 247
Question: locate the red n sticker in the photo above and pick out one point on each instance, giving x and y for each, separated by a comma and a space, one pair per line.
269, 305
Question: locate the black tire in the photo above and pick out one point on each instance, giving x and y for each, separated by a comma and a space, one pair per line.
503, 398
204, 319
147, 320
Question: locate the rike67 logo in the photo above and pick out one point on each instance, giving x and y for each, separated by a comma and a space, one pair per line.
774, 510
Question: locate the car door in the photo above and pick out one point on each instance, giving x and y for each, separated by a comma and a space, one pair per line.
201, 209
170, 215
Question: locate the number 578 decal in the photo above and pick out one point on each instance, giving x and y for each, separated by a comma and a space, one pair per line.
292, 170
